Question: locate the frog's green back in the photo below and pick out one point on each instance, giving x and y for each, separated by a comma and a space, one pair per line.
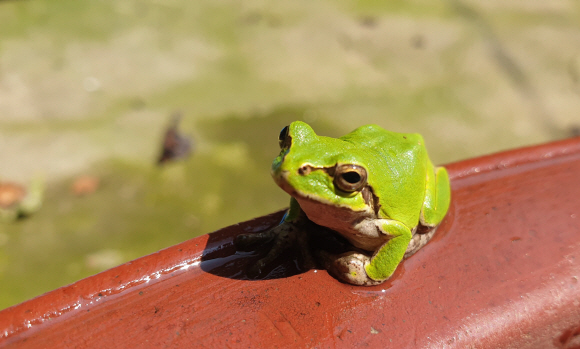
397, 165
374, 136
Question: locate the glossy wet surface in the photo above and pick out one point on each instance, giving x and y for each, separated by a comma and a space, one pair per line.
89, 87
501, 272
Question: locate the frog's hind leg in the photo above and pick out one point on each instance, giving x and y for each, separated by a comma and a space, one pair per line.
421, 236
437, 197
435, 206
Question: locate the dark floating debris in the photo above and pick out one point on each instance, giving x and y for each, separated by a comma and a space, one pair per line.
175, 145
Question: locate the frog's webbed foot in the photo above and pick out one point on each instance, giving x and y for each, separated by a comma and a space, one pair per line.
283, 236
348, 267
421, 236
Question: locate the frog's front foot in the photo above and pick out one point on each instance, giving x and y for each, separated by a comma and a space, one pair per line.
283, 236
348, 267
246, 242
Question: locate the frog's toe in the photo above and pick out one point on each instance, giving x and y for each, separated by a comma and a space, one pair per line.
281, 242
348, 267
244, 242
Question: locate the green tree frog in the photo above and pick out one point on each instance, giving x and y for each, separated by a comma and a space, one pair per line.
378, 189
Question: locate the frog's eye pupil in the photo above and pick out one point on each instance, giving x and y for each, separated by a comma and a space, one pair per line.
351, 177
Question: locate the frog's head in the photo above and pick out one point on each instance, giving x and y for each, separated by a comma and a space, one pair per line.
323, 169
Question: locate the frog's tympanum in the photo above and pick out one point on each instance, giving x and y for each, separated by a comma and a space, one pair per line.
376, 188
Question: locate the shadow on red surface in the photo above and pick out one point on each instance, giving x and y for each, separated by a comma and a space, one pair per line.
221, 258
501, 272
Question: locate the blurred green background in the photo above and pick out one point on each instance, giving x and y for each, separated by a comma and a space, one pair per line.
88, 87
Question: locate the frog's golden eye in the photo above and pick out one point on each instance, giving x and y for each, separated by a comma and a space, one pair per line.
284, 138
350, 178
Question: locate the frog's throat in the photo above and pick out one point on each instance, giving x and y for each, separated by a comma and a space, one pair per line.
370, 209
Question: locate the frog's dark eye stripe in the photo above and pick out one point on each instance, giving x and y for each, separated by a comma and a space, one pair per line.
350, 178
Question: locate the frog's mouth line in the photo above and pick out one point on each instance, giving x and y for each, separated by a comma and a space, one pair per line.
371, 200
